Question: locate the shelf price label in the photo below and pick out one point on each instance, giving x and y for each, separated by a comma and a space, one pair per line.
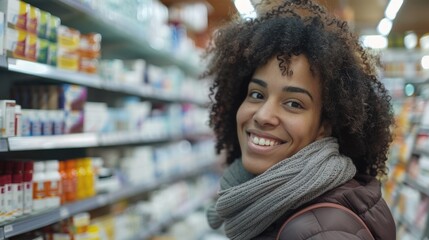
8, 228
64, 213
101, 200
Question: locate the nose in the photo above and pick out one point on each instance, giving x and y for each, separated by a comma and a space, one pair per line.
267, 114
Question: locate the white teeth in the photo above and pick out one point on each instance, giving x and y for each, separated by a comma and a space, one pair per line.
263, 141
256, 140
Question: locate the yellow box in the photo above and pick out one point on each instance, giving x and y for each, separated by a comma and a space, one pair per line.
31, 47
68, 38
68, 60
33, 17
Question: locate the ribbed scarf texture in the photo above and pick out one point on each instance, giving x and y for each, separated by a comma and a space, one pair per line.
248, 204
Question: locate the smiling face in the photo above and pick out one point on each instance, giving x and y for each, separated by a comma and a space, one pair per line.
280, 115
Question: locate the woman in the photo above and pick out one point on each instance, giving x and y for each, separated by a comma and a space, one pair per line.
303, 119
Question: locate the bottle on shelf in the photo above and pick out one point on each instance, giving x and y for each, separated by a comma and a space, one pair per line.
39, 186
53, 183
28, 186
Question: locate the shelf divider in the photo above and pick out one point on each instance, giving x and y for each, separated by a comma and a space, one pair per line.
94, 81
51, 72
77, 140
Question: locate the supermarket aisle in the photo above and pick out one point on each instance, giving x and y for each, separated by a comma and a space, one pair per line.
103, 131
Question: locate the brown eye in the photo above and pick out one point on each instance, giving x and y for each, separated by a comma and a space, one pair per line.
256, 95
294, 104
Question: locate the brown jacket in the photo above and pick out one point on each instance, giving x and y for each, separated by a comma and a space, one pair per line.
362, 195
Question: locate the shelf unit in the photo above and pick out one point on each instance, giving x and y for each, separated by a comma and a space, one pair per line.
403, 67
128, 37
47, 217
179, 214
121, 39
87, 140
93, 81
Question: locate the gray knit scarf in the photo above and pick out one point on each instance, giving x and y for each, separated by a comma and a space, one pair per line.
248, 204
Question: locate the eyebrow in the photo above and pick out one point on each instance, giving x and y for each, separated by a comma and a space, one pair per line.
297, 90
285, 89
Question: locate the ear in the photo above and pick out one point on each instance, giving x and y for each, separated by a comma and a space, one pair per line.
325, 130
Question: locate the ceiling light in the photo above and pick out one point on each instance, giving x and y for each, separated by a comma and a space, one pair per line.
374, 41
384, 26
410, 40
245, 8
393, 8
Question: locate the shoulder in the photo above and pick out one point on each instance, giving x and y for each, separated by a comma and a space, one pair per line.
362, 195
324, 223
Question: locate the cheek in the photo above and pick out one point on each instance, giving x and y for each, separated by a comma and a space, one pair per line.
242, 114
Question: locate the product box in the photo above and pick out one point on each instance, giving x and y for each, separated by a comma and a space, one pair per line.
31, 47
96, 116
73, 122
7, 109
33, 17
68, 38
2, 32
16, 42
16, 13
67, 60
52, 54
42, 49
72, 97
52, 31
43, 24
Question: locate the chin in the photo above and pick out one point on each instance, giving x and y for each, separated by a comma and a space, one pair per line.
253, 166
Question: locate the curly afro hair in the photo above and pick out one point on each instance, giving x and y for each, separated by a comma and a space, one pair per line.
355, 102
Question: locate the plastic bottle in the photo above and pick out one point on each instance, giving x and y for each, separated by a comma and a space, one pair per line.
81, 179
18, 125
90, 177
28, 187
71, 181
2, 203
39, 185
8, 197
63, 174
17, 188
53, 180
17, 195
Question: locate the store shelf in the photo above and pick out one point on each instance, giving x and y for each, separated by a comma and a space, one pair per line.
47, 71
421, 152
85, 140
181, 213
403, 55
126, 38
121, 138
94, 81
28, 223
47, 217
417, 186
411, 228
78, 140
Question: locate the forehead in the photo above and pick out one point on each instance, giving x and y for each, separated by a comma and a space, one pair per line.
296, 69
